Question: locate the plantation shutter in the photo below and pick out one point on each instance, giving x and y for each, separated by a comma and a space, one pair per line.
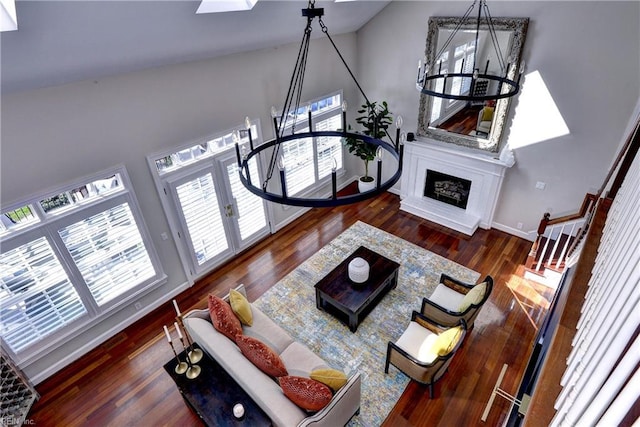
299, 165
109, 252
36, 296
200, 209
328, 148
250, 208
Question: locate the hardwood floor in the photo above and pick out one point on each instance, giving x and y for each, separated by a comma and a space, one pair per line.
122, 382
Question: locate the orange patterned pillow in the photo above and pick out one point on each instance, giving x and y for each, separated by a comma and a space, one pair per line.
223, 319
308, 394
261, 356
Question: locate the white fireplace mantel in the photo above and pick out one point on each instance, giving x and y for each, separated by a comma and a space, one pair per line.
486, 174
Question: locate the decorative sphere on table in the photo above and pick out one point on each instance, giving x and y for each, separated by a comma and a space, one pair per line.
238, 410
358, 270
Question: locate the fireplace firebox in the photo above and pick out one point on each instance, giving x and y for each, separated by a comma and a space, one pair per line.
447, 188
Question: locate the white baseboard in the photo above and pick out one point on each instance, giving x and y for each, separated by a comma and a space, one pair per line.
531, 236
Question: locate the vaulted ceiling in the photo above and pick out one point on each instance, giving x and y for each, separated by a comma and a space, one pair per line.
59, 42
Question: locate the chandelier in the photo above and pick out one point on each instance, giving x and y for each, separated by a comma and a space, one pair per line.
482, 85
285, 131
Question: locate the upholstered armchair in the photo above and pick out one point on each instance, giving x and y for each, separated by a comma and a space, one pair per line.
425, 349
453, 300
485, 119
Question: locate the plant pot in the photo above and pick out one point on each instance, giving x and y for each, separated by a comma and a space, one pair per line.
364, 186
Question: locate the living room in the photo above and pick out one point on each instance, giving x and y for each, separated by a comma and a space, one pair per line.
62, 129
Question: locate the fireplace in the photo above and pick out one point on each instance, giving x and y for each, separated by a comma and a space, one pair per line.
450, 186
447, 188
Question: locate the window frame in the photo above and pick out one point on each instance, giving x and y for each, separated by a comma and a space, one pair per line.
301, 126
48, 226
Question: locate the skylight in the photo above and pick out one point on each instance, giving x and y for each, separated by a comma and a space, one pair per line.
216, 6
8, 18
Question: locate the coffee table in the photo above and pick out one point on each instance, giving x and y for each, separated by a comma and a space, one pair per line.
350, 302
213, 394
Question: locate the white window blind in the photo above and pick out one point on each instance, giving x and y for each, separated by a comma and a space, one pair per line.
329, 149
36, 296
69, 256
109, 251
199, 204
250, 210
299, 165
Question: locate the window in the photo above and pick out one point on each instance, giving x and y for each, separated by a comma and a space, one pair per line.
69, 257
308, 162
463, 57
211, 214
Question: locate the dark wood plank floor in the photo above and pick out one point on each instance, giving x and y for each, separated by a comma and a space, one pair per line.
122, 382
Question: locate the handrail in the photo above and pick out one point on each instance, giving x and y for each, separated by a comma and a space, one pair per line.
586, 209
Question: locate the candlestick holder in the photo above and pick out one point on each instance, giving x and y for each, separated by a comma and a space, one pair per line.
193, 354
181, 367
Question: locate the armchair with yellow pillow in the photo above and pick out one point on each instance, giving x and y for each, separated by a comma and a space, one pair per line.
485, 119
425, 349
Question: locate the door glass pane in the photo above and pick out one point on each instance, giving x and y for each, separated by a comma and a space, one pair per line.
299, 164
36, 296
251, 214
109, 251
199, 204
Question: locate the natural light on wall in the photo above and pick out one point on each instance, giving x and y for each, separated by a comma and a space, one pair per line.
8, 18
215, 6
537, 117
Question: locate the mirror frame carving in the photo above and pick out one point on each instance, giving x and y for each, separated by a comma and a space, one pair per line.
518, 26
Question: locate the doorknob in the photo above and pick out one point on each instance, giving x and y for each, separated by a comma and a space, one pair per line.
229, 210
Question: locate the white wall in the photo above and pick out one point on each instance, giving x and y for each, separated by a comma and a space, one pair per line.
587, 54
57, 134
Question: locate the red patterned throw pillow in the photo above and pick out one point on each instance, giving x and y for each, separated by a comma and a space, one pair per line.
223, 319
308, 394
261, 355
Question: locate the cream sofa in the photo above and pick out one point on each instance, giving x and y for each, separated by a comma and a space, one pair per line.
264, 390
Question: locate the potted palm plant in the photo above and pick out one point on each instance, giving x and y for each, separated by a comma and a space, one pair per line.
375, 119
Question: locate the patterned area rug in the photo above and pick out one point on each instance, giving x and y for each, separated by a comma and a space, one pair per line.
291, 304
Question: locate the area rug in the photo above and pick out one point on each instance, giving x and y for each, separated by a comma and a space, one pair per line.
291, 304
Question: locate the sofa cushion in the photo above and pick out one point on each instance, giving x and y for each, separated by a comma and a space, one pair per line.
334, 378
223, 319
474, 296
300, 361
308, 394
263, 357
447, 298
267, 331
241, 307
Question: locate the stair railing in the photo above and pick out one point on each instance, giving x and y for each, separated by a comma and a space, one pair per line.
553, 230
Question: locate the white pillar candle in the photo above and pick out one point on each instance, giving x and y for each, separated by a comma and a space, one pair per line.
175, 305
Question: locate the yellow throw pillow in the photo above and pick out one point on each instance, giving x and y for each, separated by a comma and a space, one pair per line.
487, 114
331, 377
241, 307
446, 341
474, 296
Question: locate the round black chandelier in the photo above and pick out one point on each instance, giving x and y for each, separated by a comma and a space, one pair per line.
483, 86
285, 131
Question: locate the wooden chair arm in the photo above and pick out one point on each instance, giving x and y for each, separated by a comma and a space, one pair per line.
455, 284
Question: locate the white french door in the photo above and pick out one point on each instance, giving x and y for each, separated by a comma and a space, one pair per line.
217, 216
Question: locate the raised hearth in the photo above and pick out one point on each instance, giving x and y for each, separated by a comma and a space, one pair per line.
461, 174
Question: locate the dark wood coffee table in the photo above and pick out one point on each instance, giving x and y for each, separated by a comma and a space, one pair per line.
213, 394
350, 302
